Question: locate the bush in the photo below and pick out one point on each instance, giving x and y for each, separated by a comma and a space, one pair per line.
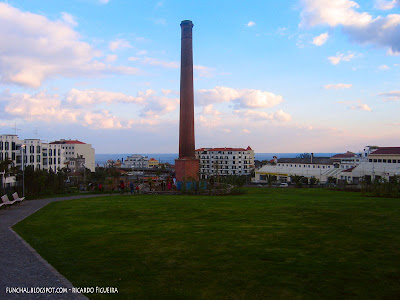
238, 191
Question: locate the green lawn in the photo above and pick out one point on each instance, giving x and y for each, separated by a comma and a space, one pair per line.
267, 244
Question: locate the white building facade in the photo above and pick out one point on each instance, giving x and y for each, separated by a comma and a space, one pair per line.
74, 151
319, 167
137, 161
44, 155
383, 163
225, 161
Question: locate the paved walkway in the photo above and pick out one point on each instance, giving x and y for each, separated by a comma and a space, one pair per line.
20, 264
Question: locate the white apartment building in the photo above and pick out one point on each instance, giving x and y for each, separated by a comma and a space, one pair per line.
10, 148
318, 167
73, 150
384, 162
137, 161
372, 162
225, 161
43, 155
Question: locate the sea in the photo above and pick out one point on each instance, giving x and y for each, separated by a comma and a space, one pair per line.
101, 159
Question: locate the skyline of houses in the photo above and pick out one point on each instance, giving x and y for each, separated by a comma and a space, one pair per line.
373, 162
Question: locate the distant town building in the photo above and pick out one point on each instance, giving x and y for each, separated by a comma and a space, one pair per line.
43, 155
318, 167
153, 163
382, 163
373, 162
137, 161
77, 149
225, 161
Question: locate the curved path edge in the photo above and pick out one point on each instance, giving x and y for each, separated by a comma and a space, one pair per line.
21, 266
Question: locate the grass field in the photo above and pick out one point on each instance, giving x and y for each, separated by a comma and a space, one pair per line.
267, 244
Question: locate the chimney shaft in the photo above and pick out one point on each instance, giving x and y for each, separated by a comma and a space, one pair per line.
186, 118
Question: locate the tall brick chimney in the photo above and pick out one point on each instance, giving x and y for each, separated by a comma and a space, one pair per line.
187, 166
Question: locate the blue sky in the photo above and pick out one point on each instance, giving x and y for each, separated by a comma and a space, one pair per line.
280, 76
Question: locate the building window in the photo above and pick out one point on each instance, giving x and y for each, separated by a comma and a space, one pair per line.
38, 158
32, 149
1, 155
13, 147
379, 160
1, 145
389, 161
375, 160
6, 146
32, 159
50, 152
370, 160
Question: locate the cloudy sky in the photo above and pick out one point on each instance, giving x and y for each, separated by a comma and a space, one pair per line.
280, 76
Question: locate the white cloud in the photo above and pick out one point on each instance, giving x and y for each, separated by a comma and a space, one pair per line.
49, 108
203, 71
321, 39
385, 4
340, 57
332, 13
111, 58
69, 19
104, 1
251, 24
38, 48
246, 131
90, 97
384, 67
209, 110
155, 62
393, 53
359, 26
119, 44
241, 97
169, 92
82, 107
281, 116
363, 107
338, 86
392, 95
255, 115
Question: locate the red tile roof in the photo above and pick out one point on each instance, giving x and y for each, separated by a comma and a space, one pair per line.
68, 142
343, 155
386, 151
224, 149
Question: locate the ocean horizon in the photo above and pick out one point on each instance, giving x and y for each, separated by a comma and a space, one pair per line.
101, 159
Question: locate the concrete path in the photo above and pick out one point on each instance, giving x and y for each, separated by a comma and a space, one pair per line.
20, 265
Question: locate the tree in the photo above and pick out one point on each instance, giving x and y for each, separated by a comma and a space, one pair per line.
313, 181
270, 179
304, 155
298, 180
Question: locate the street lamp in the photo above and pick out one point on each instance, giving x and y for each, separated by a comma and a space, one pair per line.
23, 169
